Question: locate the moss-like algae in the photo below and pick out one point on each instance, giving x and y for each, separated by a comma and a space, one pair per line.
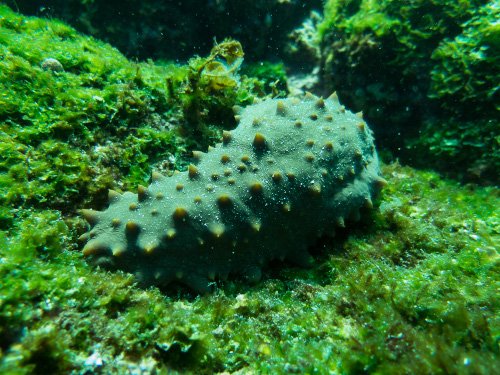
103, 122
464, 82
63, 134
412, 290
426, 75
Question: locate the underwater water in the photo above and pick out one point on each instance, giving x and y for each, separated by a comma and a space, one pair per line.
158, 216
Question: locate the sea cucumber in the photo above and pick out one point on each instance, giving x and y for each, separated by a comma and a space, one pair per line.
293, 170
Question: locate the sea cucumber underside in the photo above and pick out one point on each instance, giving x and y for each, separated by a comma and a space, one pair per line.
293, 170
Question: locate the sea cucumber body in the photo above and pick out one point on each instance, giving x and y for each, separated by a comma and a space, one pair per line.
291, 171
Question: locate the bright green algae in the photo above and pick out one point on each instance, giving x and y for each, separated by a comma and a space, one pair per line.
67, 137
413, 289
50, 122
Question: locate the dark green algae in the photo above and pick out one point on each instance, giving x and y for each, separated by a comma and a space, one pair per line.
435, 102
411, 288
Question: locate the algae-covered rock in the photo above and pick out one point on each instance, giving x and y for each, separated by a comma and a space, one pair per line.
412, 288
420, 65
74, 110
465, 85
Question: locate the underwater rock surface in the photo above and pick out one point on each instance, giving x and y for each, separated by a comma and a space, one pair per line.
292, 171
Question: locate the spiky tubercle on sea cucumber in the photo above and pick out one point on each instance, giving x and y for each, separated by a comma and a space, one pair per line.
291, 171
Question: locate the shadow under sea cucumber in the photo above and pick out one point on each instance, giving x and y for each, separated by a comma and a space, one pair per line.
293, 170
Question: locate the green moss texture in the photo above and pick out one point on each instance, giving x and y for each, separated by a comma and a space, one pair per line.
101, 122
425, 73
414, 289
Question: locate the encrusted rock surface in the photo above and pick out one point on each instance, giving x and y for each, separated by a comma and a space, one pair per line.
291, 171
